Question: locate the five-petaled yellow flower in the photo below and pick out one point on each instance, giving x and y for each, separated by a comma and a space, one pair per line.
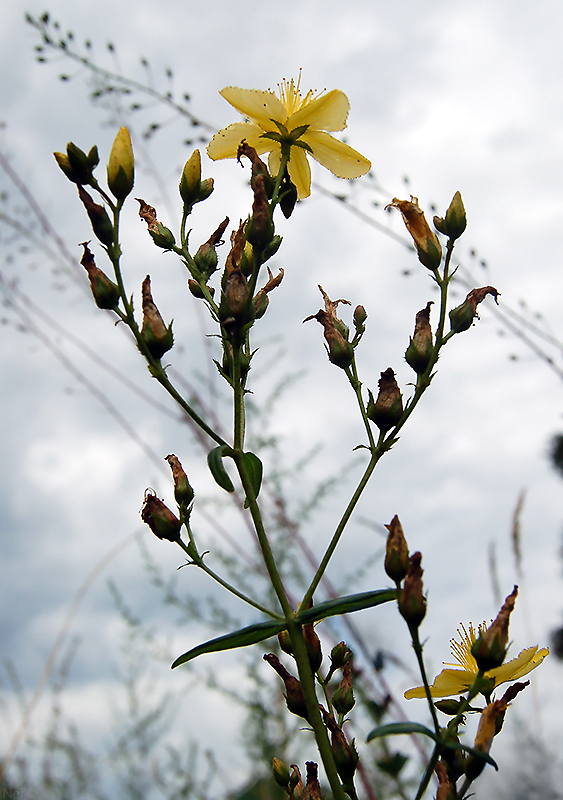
300, 122
460, 679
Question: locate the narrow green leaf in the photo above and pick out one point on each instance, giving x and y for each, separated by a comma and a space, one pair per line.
215, 462
346, 604
396, 728
230, 641
254, 468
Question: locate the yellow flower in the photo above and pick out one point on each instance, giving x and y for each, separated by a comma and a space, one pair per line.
290, 119
458, 680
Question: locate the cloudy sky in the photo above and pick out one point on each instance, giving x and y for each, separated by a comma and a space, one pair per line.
445, 96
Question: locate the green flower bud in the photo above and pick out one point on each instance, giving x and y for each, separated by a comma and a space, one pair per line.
196, 289
121, 165
339, 655
191, 179
456, 219
80, 162
281, 773
64, 163
272, 247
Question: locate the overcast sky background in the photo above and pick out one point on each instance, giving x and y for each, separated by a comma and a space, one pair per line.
455, 96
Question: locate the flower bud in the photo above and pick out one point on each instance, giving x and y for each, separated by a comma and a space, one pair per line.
288, 196
183, 492
261, 300
161, 235
340, 350
461, 317
281, 773
191, 179
295, 782
387, 410
445, 789
419, 351
360, 316
339, 655
101, 223
412, 603
484, 737
343, 698
425, 240
106, 292
121, 165
489, 650
313, 645
206, 257
258, 167
272, 247
158, 338
260, 229
197, 291
206, 188
345, 754
64, 163
162, 522
294, 693
397, 552
82, 164
455, 221
285, 642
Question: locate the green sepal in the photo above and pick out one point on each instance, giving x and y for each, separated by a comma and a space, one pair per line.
254, 469
215, 462
345, 605
231, 641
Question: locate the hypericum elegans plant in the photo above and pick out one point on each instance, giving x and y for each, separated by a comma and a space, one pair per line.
290, 127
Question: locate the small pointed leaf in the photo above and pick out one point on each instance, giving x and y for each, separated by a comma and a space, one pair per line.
254, 468
215, 462
346, 604
396, 728
230, 641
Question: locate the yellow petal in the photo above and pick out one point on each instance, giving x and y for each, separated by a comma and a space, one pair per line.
300, 172
446, 684
525, 662
342, 160
326, 113
225, 143
261, 107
